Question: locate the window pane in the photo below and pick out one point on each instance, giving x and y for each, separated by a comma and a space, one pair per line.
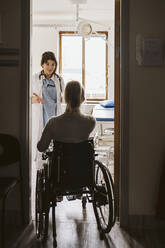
95, 68
72, 58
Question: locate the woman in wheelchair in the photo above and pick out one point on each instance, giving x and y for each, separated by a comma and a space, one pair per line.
72, 126
71, 167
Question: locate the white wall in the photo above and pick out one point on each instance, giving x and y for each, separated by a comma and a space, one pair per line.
146, 110
43, 39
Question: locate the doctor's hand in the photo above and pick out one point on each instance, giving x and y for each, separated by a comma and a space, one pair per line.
37, 99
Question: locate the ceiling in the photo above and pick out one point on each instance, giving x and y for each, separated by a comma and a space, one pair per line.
64, 11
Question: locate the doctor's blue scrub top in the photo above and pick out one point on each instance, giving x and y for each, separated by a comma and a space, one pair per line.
49, 95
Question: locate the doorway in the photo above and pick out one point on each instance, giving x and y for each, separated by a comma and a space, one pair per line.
116, 92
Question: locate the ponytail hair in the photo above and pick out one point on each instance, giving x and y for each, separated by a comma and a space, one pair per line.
74, 95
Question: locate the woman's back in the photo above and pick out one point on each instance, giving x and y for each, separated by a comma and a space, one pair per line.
72, 126
69, 127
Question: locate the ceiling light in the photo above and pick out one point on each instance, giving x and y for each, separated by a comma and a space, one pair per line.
84, 29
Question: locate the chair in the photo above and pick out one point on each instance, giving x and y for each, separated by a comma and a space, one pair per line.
9, 156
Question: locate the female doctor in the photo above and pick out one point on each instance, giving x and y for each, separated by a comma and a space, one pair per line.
47, 95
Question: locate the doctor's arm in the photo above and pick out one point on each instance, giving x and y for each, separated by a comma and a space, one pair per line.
35, 98
45, 139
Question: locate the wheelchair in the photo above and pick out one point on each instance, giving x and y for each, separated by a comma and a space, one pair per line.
71, 170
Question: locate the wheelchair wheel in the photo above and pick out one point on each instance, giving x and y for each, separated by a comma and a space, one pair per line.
113, 196
103, 199
41, 208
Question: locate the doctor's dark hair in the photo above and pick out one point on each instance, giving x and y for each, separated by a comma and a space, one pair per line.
48, 56
74, 95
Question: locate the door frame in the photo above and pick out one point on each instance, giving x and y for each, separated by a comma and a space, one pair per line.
121, 110
117, 104
124, 113
121, 106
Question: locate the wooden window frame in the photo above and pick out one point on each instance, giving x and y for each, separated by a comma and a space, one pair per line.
83, 60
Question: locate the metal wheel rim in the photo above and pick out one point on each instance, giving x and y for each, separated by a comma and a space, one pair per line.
104, 214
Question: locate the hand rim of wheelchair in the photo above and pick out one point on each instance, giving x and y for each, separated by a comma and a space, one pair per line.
106, 204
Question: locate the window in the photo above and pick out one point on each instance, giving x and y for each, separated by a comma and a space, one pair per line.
85, 60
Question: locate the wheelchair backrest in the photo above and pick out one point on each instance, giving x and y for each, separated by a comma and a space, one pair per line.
72, 164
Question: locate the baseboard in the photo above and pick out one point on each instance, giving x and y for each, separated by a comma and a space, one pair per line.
145, 222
